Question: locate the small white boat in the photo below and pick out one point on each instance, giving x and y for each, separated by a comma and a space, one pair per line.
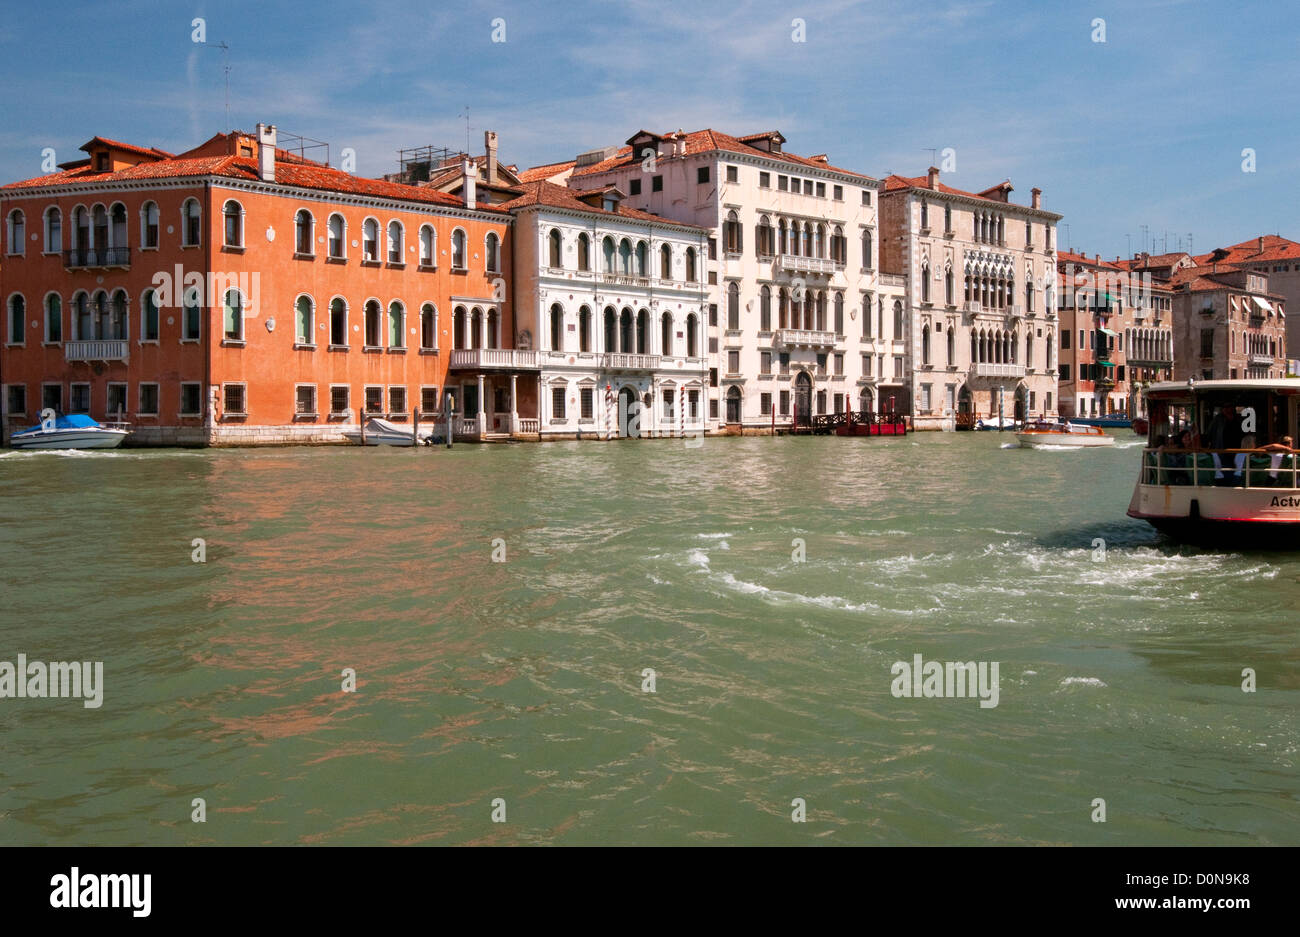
992, 423
1074, 435
382, 433
76, 431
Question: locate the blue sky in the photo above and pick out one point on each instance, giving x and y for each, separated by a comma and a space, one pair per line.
1146, 128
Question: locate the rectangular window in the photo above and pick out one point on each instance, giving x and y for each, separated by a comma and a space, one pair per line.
150, 314
634, 187
838, 193
898, 367
925, 397
657, 184
1207, 343
668, 397
191, 321
191, 398
339, 400
765, 404
428, 400
587, 400
116, 402
397, 400
16, 400
784, 359
785, 403
783, 183
794, 185
713, 248
148, 400
713, 346
733, 362
702, 175
713, 409
304, 403
866, 196
764, 362
821, 190
557, 403
733, 174
866, 365
1065, 338
821, 401
713, 313
52, 397
839, 362
765, 180
80, 398
713, 378
1065, 373
693, 404
234, 403
1082, 340
374, 399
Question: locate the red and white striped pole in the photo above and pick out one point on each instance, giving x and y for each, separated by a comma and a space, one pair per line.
681, 412
609, 413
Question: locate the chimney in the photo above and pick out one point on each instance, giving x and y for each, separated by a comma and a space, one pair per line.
1261, 243
1036, 198
469, 173
933, 178
266, 152
490, 147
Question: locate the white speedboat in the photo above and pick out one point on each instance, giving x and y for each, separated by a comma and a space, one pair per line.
1074, 435
382, 433
1192, 490
994, 423
75, 431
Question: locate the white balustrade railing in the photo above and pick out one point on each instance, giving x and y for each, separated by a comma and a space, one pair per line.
102, 350
626, 362
801, 264
529, 425
493, 358
805, 337
987, 369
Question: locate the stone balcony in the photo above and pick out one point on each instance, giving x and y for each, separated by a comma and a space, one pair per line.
805, 338
797, 263
474, 359
987, 369
99, 350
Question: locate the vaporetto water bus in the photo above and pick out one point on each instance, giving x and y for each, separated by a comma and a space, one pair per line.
1220, 465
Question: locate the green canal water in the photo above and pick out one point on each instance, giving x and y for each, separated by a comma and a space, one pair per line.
1120, 675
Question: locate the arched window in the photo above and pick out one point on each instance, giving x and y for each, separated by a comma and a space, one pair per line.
149, 316
642, 258
819, 241
692, 339
625, 338
557, 327
373, 314
149, 225
666, 334
338, 322
625, 256
553, 241
690, 265
925, 344
925, 214
54, 318
783, 242
81, 327
370, 240
821, 310
53, 229
303, 316
584, 253
17, 232
925, 281
395, 237
493, 321
642, 331
17, 334
665, 262
476, 328
1029, 297
304, 232
428, 327
839, 313
866, 248
338, 244
733, 404
607, 251
764, 237
948, 286
898, 320
611, 330
732, 234
839, 250
458, 258
458, 327
733, 305
765, 309
1029, 348
492, 253
428, 240
232, 316
584, 327
117, 232
396, 325
233, 213
952, 346
783, 309
99, 220
947, 218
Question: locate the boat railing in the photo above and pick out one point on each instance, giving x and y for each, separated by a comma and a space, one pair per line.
1232, 468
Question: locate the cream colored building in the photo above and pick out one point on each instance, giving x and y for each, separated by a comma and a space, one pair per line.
800, 321
981, 274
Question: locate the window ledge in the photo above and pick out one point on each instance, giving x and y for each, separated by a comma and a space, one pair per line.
304, 346
336, 260
232, 343
190, 247
337, 416
234, 416
428, 351
145, 416
189, 341
305, 416
188, 416
299, 255
460, 269
427, 268
154, 248
395, 351
336, 348
370, 263
231, 248
397, 264
55, 344
372, 349
148, 341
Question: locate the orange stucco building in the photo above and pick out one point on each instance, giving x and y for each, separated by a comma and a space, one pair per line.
238, 293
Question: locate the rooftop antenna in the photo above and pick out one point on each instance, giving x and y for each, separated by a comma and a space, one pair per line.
933, 151
1144, 236
225, 60
467, 129
1128, 239
1189, 242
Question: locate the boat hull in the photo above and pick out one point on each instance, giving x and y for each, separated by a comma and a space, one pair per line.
1212, 515
69, 439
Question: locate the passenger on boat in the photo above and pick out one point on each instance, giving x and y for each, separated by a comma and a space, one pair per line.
1283, 449
1224, 433
1175, 457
